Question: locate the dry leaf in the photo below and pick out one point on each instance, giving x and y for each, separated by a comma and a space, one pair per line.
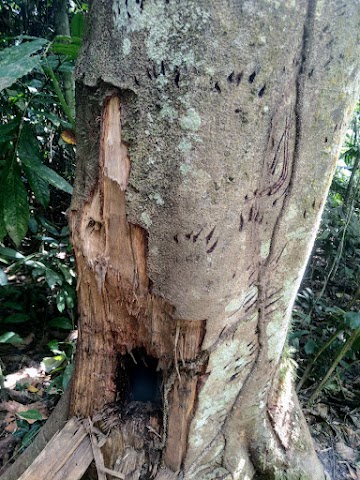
352, 473
346, 452
68, 136
26, 341
11, 424
12, 407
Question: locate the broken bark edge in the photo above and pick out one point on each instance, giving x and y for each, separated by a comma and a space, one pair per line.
54, 424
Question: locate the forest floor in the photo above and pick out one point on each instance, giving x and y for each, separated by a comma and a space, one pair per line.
335, 427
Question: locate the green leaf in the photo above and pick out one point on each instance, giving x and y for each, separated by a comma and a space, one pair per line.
352, 319
54, 346
3, 278
2, 222
65, 231
15, 204
66, 272
49, 227
54, 119
50, 363
69, 369
77, 25
29, 154
54, 179
17, 61
28, 148
68, 49
60, 301
10, 337
30, 415
17, 318
39, 186
33, 225
37, 272
66, 67
61, 322
7, 130
22, 428
11, 253
53, 278
69, 294
30, 435
310, 347
13, 306
55, 386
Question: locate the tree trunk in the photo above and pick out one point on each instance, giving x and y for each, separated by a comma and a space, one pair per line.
208, 133
62, 27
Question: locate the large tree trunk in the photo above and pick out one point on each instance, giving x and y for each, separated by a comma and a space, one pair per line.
208, 133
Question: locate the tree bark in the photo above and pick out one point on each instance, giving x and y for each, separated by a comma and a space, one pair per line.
207, 139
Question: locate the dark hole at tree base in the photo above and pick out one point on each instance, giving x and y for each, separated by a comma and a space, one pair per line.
138, 379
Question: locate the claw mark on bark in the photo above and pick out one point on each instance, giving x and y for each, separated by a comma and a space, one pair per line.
284, 143
195, 237
274, 293
177, 77
241, 226
212, 248
230, 78
235, 78
262, 91
209, 236
251, 213
217, 87
252, 77
272, 303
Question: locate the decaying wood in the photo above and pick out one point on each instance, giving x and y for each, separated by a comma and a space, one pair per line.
119, 314
67, 455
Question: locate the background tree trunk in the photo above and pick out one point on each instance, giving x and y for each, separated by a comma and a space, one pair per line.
62, 27
207, 138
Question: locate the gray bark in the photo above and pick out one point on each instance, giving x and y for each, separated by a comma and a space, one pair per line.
232, 114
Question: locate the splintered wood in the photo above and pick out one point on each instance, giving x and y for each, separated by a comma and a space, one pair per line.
66, 456
69, 453
119, 312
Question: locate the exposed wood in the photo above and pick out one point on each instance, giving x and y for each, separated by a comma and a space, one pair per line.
66, 457
99, 460
181, 404
118, 312
69, 453
166, 474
